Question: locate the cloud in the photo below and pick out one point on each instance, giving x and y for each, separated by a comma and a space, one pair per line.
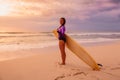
37, 14
82, 9
115, 1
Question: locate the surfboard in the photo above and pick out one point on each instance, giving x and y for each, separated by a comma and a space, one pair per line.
79, 51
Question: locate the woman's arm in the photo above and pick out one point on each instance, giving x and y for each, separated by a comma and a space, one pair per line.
63, 30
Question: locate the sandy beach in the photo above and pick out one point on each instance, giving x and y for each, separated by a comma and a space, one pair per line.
44, 65
29, 50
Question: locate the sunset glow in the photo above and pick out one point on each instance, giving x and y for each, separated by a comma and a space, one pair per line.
38, 15
20, 8
5, 9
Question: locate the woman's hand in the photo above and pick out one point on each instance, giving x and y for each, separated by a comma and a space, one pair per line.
58, 30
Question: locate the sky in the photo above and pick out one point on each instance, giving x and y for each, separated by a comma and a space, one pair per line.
44, 15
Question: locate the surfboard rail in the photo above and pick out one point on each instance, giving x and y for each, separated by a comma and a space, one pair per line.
79, 51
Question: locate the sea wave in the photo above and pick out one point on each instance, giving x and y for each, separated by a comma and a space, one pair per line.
28, 40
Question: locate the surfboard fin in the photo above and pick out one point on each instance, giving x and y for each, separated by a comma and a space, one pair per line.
100, 65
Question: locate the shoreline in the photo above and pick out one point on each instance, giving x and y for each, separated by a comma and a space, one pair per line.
53, 48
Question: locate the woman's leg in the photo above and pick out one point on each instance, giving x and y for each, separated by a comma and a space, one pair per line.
62, 50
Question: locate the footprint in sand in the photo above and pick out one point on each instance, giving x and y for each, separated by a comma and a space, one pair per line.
79, 73
76, 69
72, 72
68, 75
59, 77
116, 68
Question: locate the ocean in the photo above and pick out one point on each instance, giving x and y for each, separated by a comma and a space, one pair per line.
29, 40
13, 41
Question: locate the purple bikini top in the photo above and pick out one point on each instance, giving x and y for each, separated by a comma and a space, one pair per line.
61, 31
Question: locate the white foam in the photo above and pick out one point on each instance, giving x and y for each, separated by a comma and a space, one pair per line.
97, 33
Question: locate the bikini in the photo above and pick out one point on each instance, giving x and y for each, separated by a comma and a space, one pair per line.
61, 32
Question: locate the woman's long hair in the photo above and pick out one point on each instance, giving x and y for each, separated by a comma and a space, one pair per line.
64, 21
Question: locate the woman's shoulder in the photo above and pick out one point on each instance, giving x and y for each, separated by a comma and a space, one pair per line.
63, 26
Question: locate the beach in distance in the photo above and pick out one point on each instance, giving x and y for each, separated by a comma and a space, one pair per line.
28, 56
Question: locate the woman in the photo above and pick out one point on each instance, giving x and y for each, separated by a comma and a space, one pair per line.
62, 39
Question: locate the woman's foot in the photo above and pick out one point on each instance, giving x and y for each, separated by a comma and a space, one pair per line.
61, 63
